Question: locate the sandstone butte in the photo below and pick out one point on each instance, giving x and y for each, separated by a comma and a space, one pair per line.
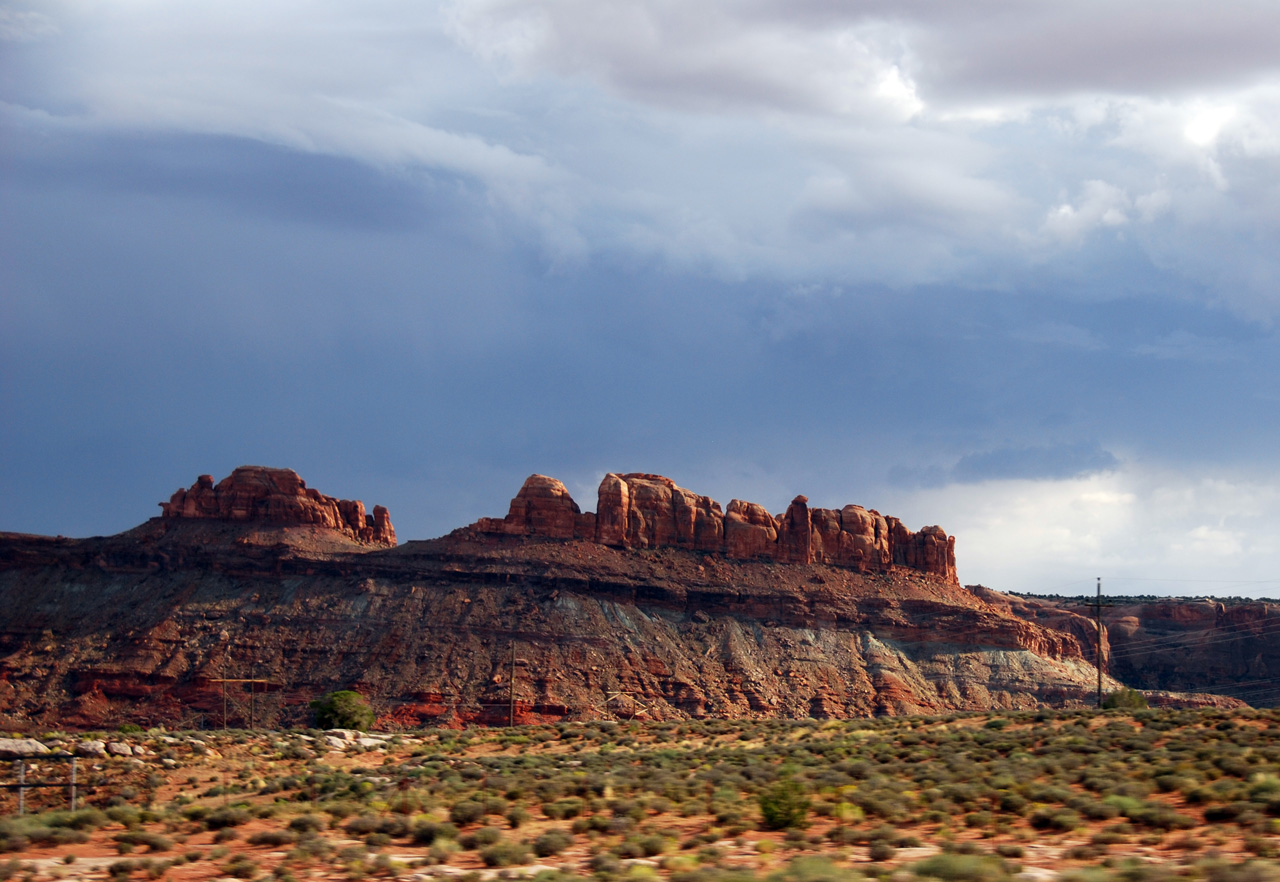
649, 511
278, 496
659, 604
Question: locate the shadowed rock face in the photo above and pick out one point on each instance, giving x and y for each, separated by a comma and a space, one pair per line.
640, 511
278, 496
1170, 644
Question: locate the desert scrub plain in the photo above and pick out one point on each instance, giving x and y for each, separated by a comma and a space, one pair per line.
1139, 796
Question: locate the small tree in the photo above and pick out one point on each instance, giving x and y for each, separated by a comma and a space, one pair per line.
1125, 699
784, 805
343, 710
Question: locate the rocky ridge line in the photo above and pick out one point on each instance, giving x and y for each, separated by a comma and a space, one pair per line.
278, 496
638, 510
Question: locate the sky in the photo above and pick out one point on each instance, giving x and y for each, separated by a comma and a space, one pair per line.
1006, 267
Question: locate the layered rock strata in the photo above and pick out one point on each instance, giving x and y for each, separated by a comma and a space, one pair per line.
639, 510
661, 605
120, 629
278, 496
1170, 643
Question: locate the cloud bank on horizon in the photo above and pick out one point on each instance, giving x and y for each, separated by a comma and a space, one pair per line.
1008, 267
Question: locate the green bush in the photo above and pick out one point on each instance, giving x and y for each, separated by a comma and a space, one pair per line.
429, 832
563, 809
153, 841
307, 824
222, 818
551, 842
1125, 699
881, 850
467, 811
962, 868
481, 838
505, 854
241, 866
343, 710
1055, 819
813, 869
784, 806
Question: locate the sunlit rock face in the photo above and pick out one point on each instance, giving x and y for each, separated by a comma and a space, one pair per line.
281, 497
639, 511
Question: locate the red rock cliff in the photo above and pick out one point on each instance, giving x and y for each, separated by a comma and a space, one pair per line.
278, 496
639, 510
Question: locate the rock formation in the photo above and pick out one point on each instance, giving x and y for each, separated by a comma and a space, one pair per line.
640, 511
689, 610
278, 496
543, 507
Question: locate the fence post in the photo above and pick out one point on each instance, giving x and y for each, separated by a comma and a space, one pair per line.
73, 783
22, 791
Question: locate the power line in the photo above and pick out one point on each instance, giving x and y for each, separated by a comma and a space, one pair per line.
1125, 650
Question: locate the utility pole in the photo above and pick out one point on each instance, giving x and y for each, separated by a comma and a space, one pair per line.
1098, 611
224, 693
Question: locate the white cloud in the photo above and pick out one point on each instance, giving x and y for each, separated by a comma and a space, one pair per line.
900, 143
25, 26
1177, 530
707, 57
1099, 205
1204, 127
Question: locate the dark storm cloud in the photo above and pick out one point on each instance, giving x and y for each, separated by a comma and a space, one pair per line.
259, 179
1054, 462
431, 366
1003, 265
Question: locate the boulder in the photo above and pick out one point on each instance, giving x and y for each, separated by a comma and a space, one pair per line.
21, 748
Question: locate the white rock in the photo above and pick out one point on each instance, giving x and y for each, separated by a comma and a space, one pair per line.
1036, 874
91, 748
21, 748
119, 748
